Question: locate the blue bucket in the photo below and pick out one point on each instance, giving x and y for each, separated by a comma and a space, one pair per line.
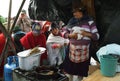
108, 65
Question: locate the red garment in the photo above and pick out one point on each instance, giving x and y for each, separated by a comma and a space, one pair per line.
29, 41
2, 43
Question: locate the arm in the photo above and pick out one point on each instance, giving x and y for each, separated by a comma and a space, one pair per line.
25, 42
93, 34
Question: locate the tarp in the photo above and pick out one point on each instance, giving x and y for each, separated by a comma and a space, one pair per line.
51, 10
107, 19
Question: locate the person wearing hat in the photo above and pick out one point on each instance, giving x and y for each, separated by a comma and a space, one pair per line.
80, 30
24, 22
55, 46
35, 38
17, 35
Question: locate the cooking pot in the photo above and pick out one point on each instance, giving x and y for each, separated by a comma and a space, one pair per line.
47, 72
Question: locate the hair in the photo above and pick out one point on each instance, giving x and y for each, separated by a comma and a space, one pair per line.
54, 25
77, 5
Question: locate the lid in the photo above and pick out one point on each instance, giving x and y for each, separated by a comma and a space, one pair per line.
26, 53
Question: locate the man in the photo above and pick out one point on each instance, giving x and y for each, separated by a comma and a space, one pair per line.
17, 35
24, 22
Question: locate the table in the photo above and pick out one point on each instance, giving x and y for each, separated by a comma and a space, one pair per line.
97, 76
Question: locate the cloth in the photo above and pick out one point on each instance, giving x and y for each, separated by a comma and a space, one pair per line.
108, 49
2, 43
56, 39
55, 55
85, 41
79, 53
16, 37
80, 69
30, 41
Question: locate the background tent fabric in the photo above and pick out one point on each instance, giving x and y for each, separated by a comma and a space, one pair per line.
51, 10
113, 33
107, 15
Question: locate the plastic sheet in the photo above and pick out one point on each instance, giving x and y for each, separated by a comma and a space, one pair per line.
106, 14
51, 10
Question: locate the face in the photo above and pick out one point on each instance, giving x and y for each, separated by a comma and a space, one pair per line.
78, 14
23, 15
36, 30
55, 31
35, 33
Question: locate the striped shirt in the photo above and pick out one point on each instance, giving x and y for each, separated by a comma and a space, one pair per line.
79, 49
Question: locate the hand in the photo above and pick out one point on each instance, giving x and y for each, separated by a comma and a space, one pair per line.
86, 34
73, 35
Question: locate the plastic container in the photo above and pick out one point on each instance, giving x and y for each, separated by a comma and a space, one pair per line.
8, 68
108, 65
27, 62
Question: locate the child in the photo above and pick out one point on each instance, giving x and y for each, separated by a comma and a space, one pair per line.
55, 46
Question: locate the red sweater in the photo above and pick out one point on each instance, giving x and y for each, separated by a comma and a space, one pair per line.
29, 41
2, 43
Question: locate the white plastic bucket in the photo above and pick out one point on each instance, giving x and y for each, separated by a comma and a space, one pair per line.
28, 62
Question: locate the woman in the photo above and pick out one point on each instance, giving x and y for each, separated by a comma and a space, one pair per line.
80, 30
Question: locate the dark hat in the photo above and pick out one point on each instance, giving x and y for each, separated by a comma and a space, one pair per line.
54, 25
80, 9
16, 28
36, 27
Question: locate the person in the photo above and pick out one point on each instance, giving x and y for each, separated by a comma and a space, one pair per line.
17, 35
24, 22
2, 44
2, 19
45, 28
80, 30
35, 38
55, 46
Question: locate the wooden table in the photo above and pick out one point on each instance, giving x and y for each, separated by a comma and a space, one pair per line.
97, 76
